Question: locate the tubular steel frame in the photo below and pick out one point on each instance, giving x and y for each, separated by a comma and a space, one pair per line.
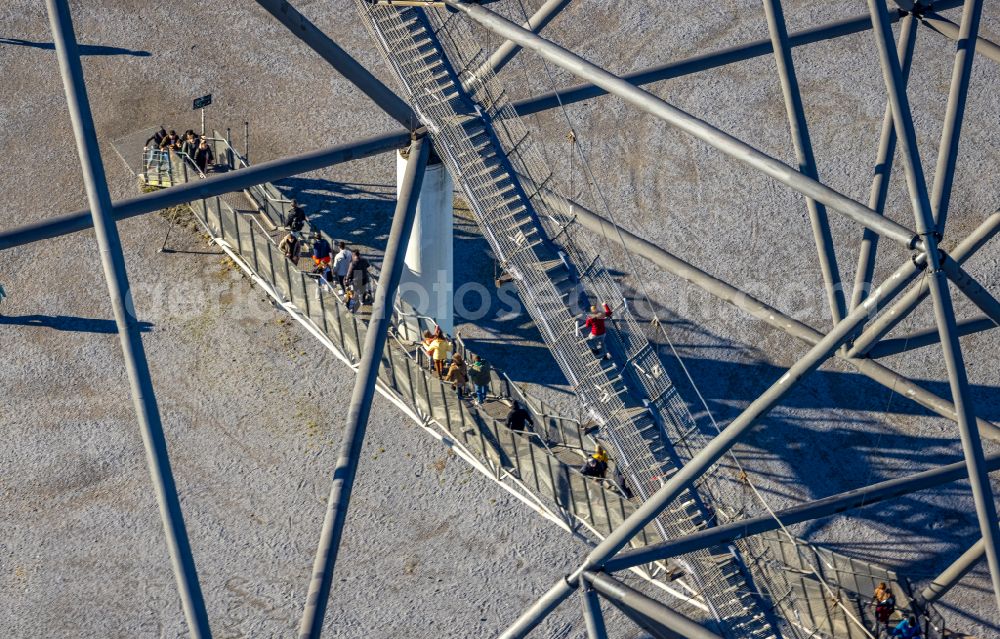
849, 338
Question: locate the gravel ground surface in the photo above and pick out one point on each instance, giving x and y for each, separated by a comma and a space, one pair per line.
252, 407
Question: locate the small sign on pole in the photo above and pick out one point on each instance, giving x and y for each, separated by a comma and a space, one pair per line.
201, 103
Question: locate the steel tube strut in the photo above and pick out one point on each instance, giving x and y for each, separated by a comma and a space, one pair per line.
627, 598
909, 300
940, 585
972, 289
717, 447
689, 124
766, 313
928, 336
944, 312
136, 367
506, 51
592, 616
799, 130
883, 168
200, 189
947, 28
944, 173
340, 60
809, 511
361, 397
703, 62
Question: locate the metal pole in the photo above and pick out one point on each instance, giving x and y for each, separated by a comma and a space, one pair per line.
943, 311
506, 51
947, 28
201, 189
630, 599
340, 60
809, 511
799, 130
689, 124
715, 59
944, 173
883, 168
768, 314
136, 367
246, 142
940, 585
909, 300
592, 616
972, 289
361, 397
928, 336
715, 449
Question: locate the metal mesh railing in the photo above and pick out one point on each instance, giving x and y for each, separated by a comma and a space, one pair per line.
485, 146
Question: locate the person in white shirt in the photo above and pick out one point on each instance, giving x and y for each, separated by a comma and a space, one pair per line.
341, 263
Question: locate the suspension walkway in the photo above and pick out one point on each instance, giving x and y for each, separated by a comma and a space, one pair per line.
487, 148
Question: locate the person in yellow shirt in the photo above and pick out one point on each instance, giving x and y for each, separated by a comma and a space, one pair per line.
440, 347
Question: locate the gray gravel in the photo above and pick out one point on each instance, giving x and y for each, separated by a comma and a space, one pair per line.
252, 407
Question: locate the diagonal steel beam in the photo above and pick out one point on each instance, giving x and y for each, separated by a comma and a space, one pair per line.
883, 167
944, 173
136, 366
940, 585
340, 60
688, 123
765, 312
809, 511
799, 129
703, 62
669, 623
940, 24
592, 616
972, 289
944, 312
687, 474
905, 305
928, 336
199, 189
506, 51
364, 390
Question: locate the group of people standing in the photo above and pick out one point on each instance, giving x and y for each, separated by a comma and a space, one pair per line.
884, 606
336, 269
190, 144
455, 369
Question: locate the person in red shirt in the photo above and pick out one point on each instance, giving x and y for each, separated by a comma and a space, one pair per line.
595, 322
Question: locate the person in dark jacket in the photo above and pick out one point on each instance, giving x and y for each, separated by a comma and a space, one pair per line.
518, 418
171, 142
203, 156
596, 465
321, 251
479, 374
154, 140
357, 275
189, 145
295, 219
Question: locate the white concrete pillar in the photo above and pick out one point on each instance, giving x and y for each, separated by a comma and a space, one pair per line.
428, 277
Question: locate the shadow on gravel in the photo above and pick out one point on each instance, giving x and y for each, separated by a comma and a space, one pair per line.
85, 49
67, 323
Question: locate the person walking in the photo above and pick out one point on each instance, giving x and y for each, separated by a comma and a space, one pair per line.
357, 276
597, 465
341, 264
440, 346
156, 139
204, 159
479, 374
883, 605
457, 375
289, 245
519, 419
189, 144
595, 322
321, 251
907, 629
171, 142
296, 217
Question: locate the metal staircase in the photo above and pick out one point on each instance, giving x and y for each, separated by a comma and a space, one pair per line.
638, 409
